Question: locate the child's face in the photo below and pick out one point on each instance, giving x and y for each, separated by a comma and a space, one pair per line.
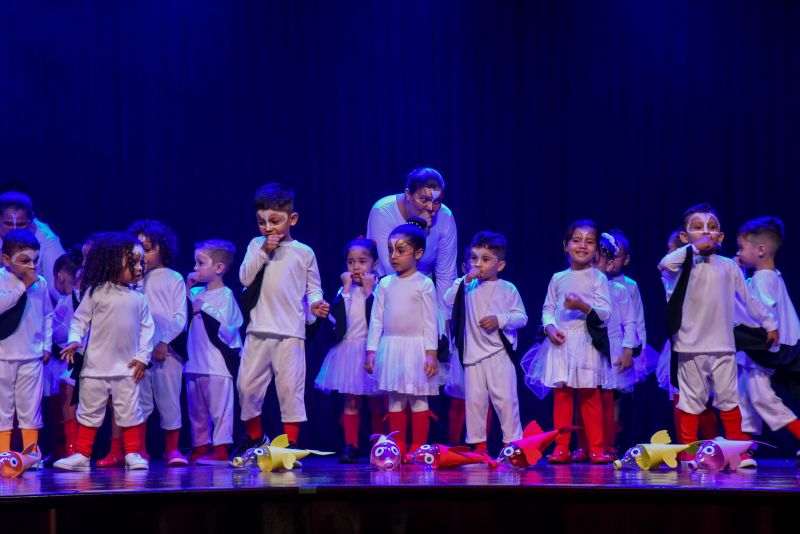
133, 275
14, 219
424, 202
64, 282
205, 267
152, 253
620, 261
21, 262
359, 263
275, 222
748, 252
581, 247
402, 254
486, 262
703, 226
601, 262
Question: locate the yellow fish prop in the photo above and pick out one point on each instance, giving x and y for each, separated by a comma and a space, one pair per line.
277, 456
646, 456
13, 464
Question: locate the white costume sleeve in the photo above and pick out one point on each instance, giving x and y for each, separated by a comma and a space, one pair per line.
445, 267
11, 295
48, 322
516, 317
313, 282
755, 308
376, 319
549, 308
430, 322
254, 259
81, 320
602, 298
670, 267
178, 300
630, 337
146, 331
378, 229
450, 295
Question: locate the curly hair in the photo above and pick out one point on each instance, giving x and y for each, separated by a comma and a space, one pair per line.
159, 234
110, 255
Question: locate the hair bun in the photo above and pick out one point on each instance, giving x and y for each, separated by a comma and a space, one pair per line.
418, 222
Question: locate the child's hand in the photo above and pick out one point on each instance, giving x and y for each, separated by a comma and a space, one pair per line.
347, 281
772, 338
68, 352
369, 363
192, 279
46, 357
428, 218
160, 352
471, 275
556, 336
320, 309
271, 243
705, 245
139, 369
29, 278
431, 364
368, 280
625, 361
573, 301
197, 306
489, 323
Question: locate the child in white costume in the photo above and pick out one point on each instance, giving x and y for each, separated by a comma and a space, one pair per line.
403, 337
487, 312
116, 321
213, 340
27, 338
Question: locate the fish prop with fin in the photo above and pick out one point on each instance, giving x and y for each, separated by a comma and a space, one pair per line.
721, 454
277, 456
385, 454
443, 457
646, 456
526, 452
13, 464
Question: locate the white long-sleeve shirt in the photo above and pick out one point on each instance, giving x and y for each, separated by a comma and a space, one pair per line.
590, 284
441, 247
291, 278
50, 250
404, 307
769, 288
34, 335
622, 322
708, 310
62, 317
638, 306
204, 357
165, 291
119, 327
492, 297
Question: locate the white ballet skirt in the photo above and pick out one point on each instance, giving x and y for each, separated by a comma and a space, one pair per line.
343, 369
400, 367
575, 363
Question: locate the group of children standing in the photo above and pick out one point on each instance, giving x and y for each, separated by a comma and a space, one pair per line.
131, 328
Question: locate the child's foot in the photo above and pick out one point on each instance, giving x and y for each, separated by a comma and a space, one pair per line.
612, 453
176, 459
219, 455
199, 452
598, 457
560, 456
748, 462
76, 462
579, 456
349, 455
111, 460
135, 462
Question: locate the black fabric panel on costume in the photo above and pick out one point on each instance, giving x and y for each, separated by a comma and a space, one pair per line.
675, 312
231, 356
251, 293
599, 334
10, 319
458, 319
179, 344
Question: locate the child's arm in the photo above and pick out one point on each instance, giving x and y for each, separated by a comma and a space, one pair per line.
516, 317
602, 298
555, 335
670, 267
375, 328
430, 328
630, 336
146, 332
755, 308
177, 299
11, 295
638, 307
47, 326
254, 259
316, 304
78, 327
450, 295
446, 255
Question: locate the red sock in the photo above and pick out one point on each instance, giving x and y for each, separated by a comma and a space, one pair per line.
609, 427
676, 415
420, 425
708, 425
85, 440
171, 438
563, 406
480, 448
688, 429
253, 427
457, 416
794, 428
398, 422
70, 433
732, 423
591, 405
378, 422
292, 431
116, 447
350, 423
131, 438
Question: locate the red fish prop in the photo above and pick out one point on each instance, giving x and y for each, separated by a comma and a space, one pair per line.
444, 457
13, 464
527, 451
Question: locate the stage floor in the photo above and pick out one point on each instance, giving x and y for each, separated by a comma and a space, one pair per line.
320, 475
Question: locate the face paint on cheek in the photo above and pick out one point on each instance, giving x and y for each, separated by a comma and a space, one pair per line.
281, 216
394, 242
435, 195
30, 260
705, 218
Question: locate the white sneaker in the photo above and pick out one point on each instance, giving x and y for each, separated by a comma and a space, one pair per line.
76, 462
748, 462
134, 461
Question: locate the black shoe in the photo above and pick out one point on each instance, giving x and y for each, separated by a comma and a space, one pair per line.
349, 455
248, 443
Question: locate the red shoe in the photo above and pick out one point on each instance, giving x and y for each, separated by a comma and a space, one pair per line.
176, 459
560, 455
111, 460
579, 456
598, 457
219, 454
612, 453
198, 452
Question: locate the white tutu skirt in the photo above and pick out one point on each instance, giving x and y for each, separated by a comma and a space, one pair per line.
343, 370
51, 376
616, 379
400, 367
454, 387
575, 363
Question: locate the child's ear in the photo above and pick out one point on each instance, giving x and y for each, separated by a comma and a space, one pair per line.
684, 237
721, 238
419, 253
501, 265
293, 218
6, 260
762, 250
219, 268
627, 260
